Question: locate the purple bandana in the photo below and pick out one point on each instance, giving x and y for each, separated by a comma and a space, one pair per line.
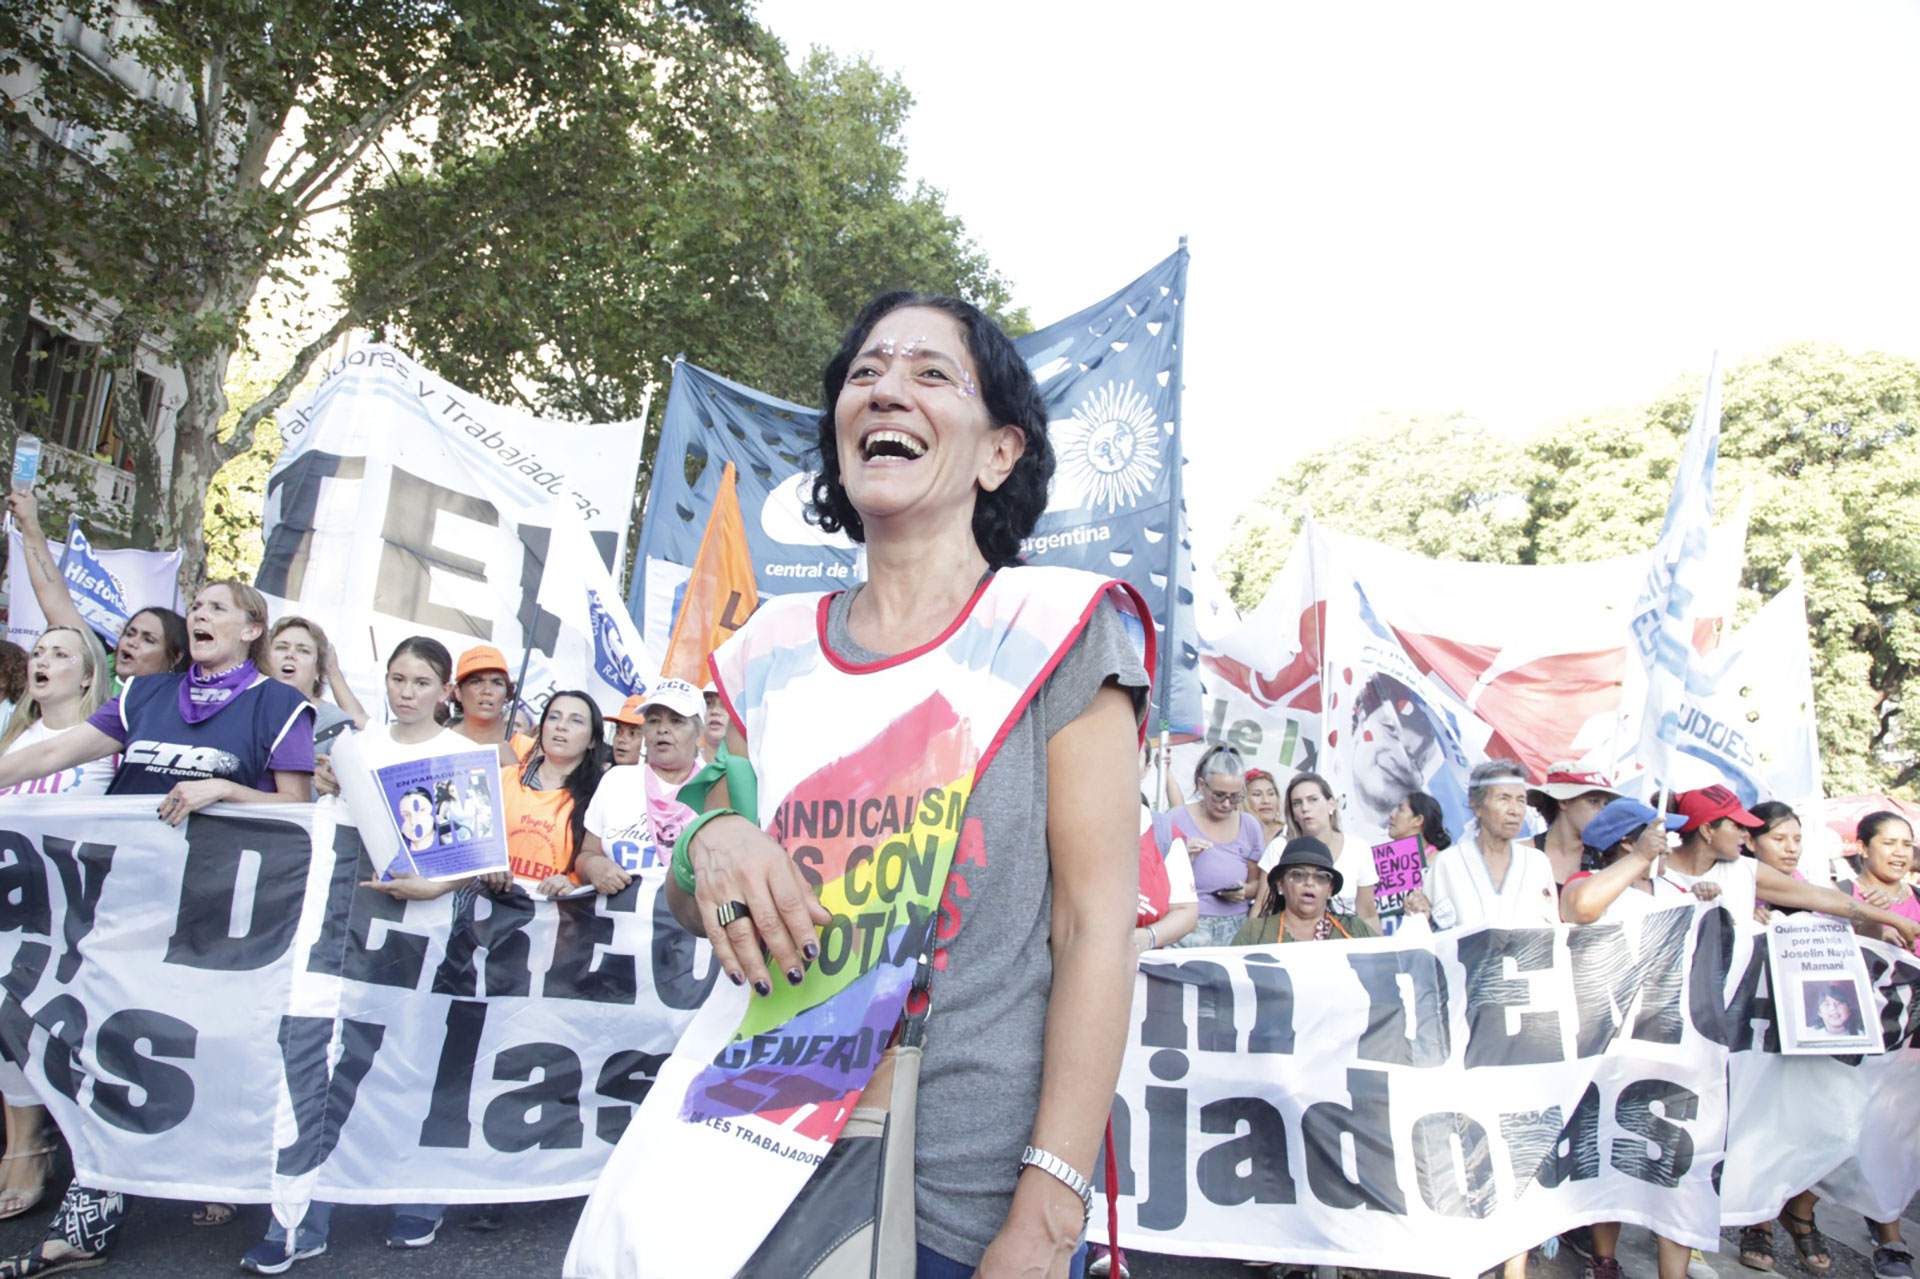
202, 696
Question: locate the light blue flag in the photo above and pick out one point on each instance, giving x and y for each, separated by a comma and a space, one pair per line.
1663, 614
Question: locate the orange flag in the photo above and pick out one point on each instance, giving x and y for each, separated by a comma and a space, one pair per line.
720, 595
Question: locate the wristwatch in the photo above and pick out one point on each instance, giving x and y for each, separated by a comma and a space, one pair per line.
1058, 1168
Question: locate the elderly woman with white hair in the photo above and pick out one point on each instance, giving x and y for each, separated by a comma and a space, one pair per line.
1492, 877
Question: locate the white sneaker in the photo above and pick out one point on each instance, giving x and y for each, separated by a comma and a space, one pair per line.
1698, 1267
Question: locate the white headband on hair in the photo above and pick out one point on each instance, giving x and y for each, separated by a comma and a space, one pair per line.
1506, 777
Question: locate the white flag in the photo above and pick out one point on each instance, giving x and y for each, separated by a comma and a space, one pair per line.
598, 646
1677, 574
145, 579
1751, 726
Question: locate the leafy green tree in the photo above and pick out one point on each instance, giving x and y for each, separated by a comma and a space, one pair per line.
748, 255
1822, 442
289, 110
1447, 487
239, 490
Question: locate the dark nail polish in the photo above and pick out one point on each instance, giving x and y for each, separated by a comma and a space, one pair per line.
795, 976
736, 979
809, 952
762, 987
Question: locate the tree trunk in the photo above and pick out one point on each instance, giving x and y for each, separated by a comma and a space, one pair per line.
197, 455
134, 431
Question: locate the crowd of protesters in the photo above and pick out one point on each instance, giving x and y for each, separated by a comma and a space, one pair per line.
1598, 856
262, 713
591, 799
228, 705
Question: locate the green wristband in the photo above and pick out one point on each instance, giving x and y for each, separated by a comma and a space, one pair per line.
742, 785
683, 848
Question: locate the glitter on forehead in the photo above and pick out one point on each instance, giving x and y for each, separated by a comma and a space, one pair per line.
967, 388
888, 348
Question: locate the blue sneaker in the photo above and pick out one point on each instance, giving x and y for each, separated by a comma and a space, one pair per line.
270, 1258
412, 1232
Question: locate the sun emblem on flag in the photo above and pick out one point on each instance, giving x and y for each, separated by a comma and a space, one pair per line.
1108, 451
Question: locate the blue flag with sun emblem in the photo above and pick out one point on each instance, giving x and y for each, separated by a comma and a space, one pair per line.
1111, 378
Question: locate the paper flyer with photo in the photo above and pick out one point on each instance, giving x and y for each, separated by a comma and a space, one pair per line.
447, 811
1822, 1000
1402, 864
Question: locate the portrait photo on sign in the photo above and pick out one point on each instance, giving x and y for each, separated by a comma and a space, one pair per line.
1823, 999
1831, 1010
446, 809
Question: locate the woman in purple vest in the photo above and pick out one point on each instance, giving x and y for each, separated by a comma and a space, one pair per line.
219, 732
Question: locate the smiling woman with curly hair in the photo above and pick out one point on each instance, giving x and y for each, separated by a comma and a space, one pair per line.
1014, 697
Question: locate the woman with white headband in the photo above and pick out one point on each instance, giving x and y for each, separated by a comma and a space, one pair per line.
1493, 877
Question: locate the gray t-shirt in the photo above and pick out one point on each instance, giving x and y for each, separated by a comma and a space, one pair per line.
980, 1075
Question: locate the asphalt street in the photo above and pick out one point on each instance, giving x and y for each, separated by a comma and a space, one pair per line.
159, 1241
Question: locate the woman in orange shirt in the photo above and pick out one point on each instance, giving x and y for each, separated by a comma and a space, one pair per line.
545, 798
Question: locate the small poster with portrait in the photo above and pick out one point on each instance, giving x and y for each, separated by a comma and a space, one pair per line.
446, 809
1821, 996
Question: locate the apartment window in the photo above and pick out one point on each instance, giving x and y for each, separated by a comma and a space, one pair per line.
66, 389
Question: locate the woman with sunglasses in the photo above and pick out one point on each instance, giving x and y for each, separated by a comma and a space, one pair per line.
1223, 842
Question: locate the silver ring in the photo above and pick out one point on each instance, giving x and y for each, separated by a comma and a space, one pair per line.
727, 912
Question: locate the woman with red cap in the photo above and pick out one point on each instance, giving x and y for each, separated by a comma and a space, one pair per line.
1717, 829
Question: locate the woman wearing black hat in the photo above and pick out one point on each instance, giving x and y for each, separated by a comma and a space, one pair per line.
1299, 887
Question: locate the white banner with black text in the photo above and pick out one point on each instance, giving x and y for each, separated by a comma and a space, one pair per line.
221, 1012
1437, 1104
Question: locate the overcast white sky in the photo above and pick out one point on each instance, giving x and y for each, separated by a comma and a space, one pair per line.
1522, 211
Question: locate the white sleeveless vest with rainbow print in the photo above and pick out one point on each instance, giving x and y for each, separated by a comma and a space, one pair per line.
864, 775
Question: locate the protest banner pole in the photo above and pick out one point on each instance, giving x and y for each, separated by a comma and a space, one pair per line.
1163, 768
1315, 612
526, 656
630, 562
1163, 678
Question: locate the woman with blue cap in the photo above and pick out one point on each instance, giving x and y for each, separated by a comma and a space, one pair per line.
1628, 837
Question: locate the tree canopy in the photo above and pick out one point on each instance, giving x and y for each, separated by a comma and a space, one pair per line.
1822, 441
184, 196
748, 253
547, 201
